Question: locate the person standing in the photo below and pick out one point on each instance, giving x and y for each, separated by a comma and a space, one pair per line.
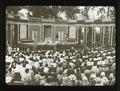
37, 78
27, 77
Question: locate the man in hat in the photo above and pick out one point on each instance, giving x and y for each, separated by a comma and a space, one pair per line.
98, 81
104, 79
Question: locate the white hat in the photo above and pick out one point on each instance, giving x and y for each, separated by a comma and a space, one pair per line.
65, 78
111, 75
102, 74
84, 57
87, 71
85, 78
98, 80
92, 76
71, 57
104, 54
8, 79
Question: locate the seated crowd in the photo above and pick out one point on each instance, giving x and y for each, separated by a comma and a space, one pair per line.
68, 67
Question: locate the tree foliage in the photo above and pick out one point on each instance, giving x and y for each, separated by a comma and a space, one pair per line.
52, 11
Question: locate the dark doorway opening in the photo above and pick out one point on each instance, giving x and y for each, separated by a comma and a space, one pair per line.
97, 42
15, 35
106, 39
80, 37
89, 36
8, 34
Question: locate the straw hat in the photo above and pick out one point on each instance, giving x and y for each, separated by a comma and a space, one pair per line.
84, 78
98, 80
92, 76
102, 74
8, 79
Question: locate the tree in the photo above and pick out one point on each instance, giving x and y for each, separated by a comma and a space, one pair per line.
52, 11
86, 9
108, 8
70, 11
13, 9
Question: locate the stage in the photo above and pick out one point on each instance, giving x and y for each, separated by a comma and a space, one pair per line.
45, 46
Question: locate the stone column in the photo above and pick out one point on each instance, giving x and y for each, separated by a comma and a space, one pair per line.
111, 35
83, 35
103, 34
52, 33
77, 34
7, 32
42, 32
100, 35
54, 30
38, 33
109, 28
86, 35
11, 34
94, 36
18, 33
66, 32
114, 36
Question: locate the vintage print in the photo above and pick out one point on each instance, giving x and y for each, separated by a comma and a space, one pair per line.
60, 45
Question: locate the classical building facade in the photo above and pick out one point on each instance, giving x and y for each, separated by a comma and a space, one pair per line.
41, 31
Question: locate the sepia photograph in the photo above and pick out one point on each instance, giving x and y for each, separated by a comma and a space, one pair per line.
60, 46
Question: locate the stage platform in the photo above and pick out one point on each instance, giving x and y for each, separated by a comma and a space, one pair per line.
47, 46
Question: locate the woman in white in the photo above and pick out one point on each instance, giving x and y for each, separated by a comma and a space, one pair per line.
98, 81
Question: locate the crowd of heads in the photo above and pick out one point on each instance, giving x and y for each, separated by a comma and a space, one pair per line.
64, 67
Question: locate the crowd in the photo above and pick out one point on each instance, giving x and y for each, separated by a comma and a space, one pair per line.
69, 67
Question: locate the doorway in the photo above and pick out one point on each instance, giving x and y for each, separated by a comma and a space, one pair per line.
89, 36
34, 36
15, 35
47, 34
60, 36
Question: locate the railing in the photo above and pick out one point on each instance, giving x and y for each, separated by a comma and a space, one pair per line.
45, 19
69, 20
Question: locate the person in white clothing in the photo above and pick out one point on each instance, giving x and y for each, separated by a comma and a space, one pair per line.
37, 78
27, 78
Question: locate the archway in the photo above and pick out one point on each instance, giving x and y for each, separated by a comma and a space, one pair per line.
15, 35
8, 34
81, 31
97, 31
89, 36
106, 36
114, 34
